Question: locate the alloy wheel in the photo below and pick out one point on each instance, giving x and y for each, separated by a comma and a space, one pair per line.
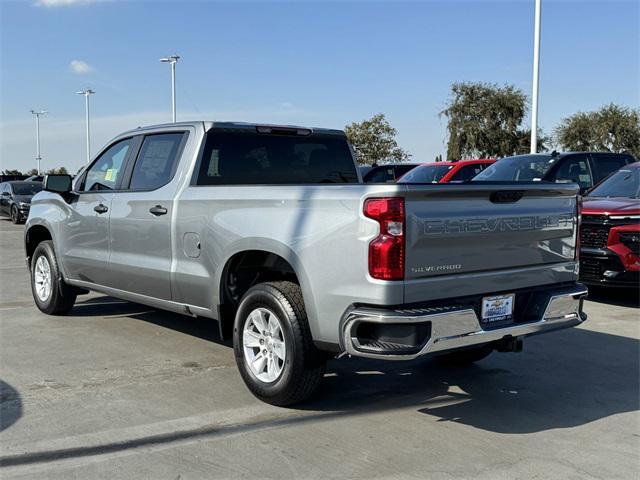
264, 345
42, 278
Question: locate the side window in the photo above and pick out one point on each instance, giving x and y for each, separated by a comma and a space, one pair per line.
156, 161
248, 158
467, 173
381, 175
574, 169
604, 165
105, 173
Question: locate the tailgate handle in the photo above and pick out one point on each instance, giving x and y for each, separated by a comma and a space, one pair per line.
506, 196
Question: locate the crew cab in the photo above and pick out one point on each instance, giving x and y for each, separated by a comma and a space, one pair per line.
610, 231
445, 172
584, 168
270, 231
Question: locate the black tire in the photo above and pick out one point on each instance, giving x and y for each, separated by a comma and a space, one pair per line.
303, 366
461, 358
62, 296
15, 215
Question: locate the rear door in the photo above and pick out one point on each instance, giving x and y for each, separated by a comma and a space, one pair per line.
466, 172
480, 236
140, 222
4, 198
604, 164
85, 238
573, 168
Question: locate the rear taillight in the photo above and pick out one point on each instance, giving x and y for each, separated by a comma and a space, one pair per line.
386, 251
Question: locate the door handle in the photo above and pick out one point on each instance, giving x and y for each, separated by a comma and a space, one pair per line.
100, 208
158, 210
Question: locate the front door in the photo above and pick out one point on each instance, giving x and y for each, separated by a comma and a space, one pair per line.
140, 223
84, 245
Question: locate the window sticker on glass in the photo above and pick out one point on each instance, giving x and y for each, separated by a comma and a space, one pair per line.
110, 174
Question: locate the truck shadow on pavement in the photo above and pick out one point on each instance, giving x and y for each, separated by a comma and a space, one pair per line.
112, 307
622, 297
562, 380
10, 405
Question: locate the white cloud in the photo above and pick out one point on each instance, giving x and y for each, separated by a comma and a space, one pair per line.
64, 3
80, 67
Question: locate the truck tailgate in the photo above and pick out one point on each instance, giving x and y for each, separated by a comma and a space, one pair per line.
487, 237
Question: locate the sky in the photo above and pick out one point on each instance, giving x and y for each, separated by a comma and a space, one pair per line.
323, 64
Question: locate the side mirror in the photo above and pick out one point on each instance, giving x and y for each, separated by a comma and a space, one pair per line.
57, 183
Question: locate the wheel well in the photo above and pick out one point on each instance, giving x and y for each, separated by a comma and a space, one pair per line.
242, 271
35, 235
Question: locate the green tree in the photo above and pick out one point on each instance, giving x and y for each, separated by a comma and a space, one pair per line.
374, 141
612, 128
485, 120
60, 171
12, 172
32, 172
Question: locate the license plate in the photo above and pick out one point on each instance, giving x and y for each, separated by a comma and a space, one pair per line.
498, 309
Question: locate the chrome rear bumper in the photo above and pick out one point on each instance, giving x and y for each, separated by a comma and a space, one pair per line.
455, 328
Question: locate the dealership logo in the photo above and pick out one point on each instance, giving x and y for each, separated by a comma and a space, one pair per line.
502, 224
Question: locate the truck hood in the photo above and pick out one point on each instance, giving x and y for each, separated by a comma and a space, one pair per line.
610, 206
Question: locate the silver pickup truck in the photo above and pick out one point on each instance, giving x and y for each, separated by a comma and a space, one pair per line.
270, 231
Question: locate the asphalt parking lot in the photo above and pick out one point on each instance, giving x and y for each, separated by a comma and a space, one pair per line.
119, 390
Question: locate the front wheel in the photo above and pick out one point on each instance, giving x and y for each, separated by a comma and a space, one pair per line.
51, 294
273, 347
15, 215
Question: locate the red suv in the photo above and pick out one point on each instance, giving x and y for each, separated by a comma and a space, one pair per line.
445, 172
610, 231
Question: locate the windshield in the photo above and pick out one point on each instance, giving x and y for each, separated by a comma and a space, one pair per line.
518, 169
27, 188
426, 174
623, 183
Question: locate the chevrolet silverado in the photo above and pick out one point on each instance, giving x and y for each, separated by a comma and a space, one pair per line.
270, 231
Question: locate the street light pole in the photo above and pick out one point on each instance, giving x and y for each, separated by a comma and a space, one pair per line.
173, 59
536, 78
86, 94
37, 114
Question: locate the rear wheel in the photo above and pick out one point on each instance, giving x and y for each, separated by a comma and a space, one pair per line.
464, 357
51, 294
273, 347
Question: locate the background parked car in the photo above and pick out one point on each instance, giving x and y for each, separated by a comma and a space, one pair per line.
15, 199
445, 172
584, 168
35, 178
388, 173
610, 231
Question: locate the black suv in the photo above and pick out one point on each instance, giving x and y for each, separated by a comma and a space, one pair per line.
584, 168
387, 173
15, 199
